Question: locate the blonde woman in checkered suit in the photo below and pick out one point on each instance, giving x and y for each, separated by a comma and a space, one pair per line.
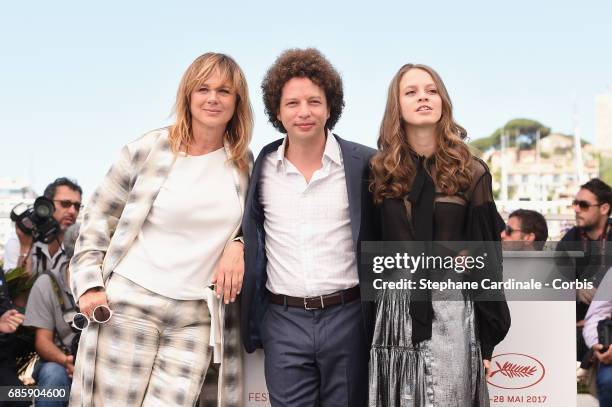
162, 229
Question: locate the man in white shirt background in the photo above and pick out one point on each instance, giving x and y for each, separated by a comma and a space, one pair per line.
600, 309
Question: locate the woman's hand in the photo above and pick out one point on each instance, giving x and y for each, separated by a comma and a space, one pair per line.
91, 299
487, 366
229, 273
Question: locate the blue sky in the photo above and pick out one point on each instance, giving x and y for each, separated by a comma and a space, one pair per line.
78, 80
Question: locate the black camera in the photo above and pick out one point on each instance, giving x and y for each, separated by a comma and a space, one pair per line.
37, 220
604, 333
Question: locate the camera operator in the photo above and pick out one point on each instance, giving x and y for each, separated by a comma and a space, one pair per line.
50, 304
601, 309
38, 256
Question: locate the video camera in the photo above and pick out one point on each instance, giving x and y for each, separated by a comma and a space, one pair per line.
37, 220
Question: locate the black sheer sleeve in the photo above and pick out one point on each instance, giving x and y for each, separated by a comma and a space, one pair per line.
484, 224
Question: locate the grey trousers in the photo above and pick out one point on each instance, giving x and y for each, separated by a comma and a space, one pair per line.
315, 357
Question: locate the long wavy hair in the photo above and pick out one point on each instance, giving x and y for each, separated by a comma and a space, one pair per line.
393, 169
239, 129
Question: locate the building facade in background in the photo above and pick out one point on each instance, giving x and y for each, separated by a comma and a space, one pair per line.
603, 132
12, 192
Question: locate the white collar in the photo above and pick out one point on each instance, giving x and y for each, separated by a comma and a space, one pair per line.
331, 151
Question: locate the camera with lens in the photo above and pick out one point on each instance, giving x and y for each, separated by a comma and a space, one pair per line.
604, 333
37, 220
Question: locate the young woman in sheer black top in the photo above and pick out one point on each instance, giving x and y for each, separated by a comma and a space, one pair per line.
432, 348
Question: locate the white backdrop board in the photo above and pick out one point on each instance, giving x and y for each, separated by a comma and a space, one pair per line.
536, 365
255, 390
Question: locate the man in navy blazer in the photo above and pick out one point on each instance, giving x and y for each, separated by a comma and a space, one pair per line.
307, 210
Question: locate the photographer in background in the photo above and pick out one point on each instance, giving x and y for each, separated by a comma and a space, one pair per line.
38, 256
592, 235
50, 311
599, 310
41, 231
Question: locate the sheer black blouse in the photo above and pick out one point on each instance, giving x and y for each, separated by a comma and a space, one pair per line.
470, 215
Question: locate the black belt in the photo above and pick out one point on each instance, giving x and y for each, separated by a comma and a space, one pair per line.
318, 302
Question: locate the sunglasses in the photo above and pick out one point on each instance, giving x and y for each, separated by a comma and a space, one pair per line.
101, 314
583, 205
65, 203
509, 230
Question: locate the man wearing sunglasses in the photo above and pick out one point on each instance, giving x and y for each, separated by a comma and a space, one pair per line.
37, 257
50, 305
525, 230
592, 234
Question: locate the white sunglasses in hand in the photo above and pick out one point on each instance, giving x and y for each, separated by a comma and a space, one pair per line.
100, 314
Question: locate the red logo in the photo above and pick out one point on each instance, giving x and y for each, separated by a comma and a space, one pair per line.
515, 371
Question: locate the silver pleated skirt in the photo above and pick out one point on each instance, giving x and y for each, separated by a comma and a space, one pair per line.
444, 371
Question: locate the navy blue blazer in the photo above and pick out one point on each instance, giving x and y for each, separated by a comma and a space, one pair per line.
356, 159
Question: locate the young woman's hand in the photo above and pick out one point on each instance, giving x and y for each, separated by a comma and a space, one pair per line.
230, 272
487, 366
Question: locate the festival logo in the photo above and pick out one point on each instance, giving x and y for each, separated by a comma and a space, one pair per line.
515, 371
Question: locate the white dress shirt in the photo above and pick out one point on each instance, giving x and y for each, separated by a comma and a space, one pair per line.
309, 243
600, 308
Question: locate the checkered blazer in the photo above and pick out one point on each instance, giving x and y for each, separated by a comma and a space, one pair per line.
113, 217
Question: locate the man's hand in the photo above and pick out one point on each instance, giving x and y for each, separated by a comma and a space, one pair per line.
91, 299
10, 321
25, 241
229, 273
69, 365
25, 246
605, 357
586, 295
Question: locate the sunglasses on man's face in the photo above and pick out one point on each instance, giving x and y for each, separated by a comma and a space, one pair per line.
583, 205
65, 203
509, 230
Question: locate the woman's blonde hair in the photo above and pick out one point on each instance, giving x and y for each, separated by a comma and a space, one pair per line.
240, 127
393, 169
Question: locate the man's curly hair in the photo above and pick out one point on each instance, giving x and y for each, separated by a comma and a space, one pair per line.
302, 63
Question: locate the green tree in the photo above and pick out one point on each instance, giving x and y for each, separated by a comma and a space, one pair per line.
521, 131
605, 168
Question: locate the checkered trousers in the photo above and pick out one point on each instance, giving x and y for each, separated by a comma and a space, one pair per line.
154, 351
